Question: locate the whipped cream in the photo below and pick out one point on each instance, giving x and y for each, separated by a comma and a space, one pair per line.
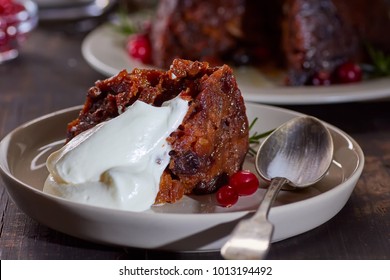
117, 163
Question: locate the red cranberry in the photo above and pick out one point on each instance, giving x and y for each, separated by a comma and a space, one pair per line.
226, 196
9, 7
244, 182
349, 72
138, 47
5, 38
321, 78
9, 25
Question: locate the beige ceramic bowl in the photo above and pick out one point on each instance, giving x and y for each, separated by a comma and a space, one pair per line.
193, 224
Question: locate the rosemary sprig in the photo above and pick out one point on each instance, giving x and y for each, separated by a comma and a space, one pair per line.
254, 139
125, 25
128, 23
380, 62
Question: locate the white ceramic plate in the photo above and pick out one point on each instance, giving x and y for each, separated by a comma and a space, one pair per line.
55, 10
194, 223
104, 50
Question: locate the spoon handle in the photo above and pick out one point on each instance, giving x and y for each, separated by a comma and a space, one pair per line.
251, 238
269, 197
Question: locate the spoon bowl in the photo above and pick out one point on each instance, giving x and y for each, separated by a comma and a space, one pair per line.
301, 150
298, 154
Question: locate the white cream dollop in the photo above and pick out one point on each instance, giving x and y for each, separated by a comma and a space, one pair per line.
118, 163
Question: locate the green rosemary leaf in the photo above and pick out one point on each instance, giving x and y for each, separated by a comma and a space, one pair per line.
254, 139
380, 62
253, 123
128, 23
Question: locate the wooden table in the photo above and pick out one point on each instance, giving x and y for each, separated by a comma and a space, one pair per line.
51, 74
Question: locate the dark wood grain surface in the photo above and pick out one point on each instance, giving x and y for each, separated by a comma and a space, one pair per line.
51, 74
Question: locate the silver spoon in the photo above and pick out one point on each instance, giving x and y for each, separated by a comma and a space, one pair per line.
297, 154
